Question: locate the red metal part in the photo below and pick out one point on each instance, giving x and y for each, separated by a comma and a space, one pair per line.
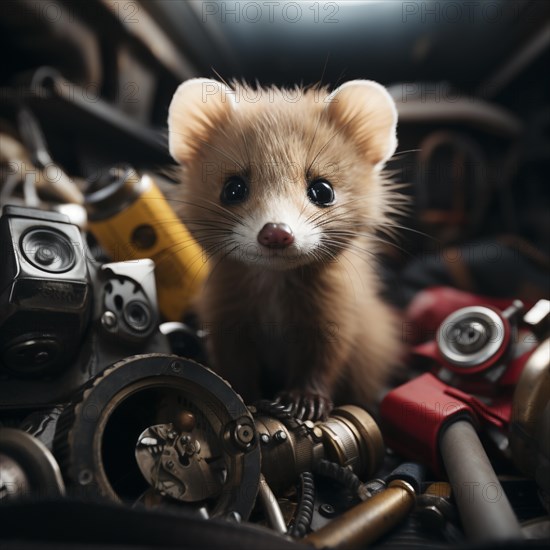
414, 413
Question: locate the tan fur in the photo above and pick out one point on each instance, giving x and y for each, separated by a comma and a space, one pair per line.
313, 322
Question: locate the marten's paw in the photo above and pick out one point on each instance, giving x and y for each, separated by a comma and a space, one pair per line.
306, 405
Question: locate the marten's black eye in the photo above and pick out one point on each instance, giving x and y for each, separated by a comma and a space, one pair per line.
235, 190
320, 192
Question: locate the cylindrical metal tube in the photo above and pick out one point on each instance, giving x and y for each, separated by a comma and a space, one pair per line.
271, 507
367, 521
484, 508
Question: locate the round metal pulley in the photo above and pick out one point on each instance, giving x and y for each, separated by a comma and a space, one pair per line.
472, 339
162, 429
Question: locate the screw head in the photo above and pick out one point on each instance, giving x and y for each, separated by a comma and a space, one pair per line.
470, 336
85, 477
327, 510
176, 366
280, 436
109, 320
243, 435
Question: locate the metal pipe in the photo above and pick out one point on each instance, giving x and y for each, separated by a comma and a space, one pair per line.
367, 521
483, 506
271, 506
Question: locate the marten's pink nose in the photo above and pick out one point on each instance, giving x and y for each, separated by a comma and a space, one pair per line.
276, 235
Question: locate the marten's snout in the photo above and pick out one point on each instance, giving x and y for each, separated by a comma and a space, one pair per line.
276, 235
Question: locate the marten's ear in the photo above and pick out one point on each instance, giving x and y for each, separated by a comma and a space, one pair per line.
366, 112
198, 106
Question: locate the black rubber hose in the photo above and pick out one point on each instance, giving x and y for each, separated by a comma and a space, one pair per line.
338, 473
304, 513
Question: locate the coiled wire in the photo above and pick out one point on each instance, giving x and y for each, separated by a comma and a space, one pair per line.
304, 512
338, 473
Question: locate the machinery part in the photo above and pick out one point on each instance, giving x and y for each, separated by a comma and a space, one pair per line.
530, 423
434, 508
35, 143
476, 361
177, 463
370, 488
537, 528
342, 474
352, 438
538, 319
131, 219
129, 300
349, 437
369, 520
414, 414
41, 424
66, 524
48, 250
483, 506
14, 483
166, 423
271, 507
472, 338
27, 467
304, 513
44, 293
184, 341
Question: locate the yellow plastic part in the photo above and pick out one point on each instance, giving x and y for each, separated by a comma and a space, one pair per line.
180, 264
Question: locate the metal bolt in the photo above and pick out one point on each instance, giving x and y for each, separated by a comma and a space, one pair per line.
317, 434
470, 336
185, 439
170, 465
109, 320
327, 510
176, 366
243, 435
280, 436
265, 439
85, 477
191, 448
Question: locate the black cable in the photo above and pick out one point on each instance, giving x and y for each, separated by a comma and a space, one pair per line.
281, 412
304, 512
338, 473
